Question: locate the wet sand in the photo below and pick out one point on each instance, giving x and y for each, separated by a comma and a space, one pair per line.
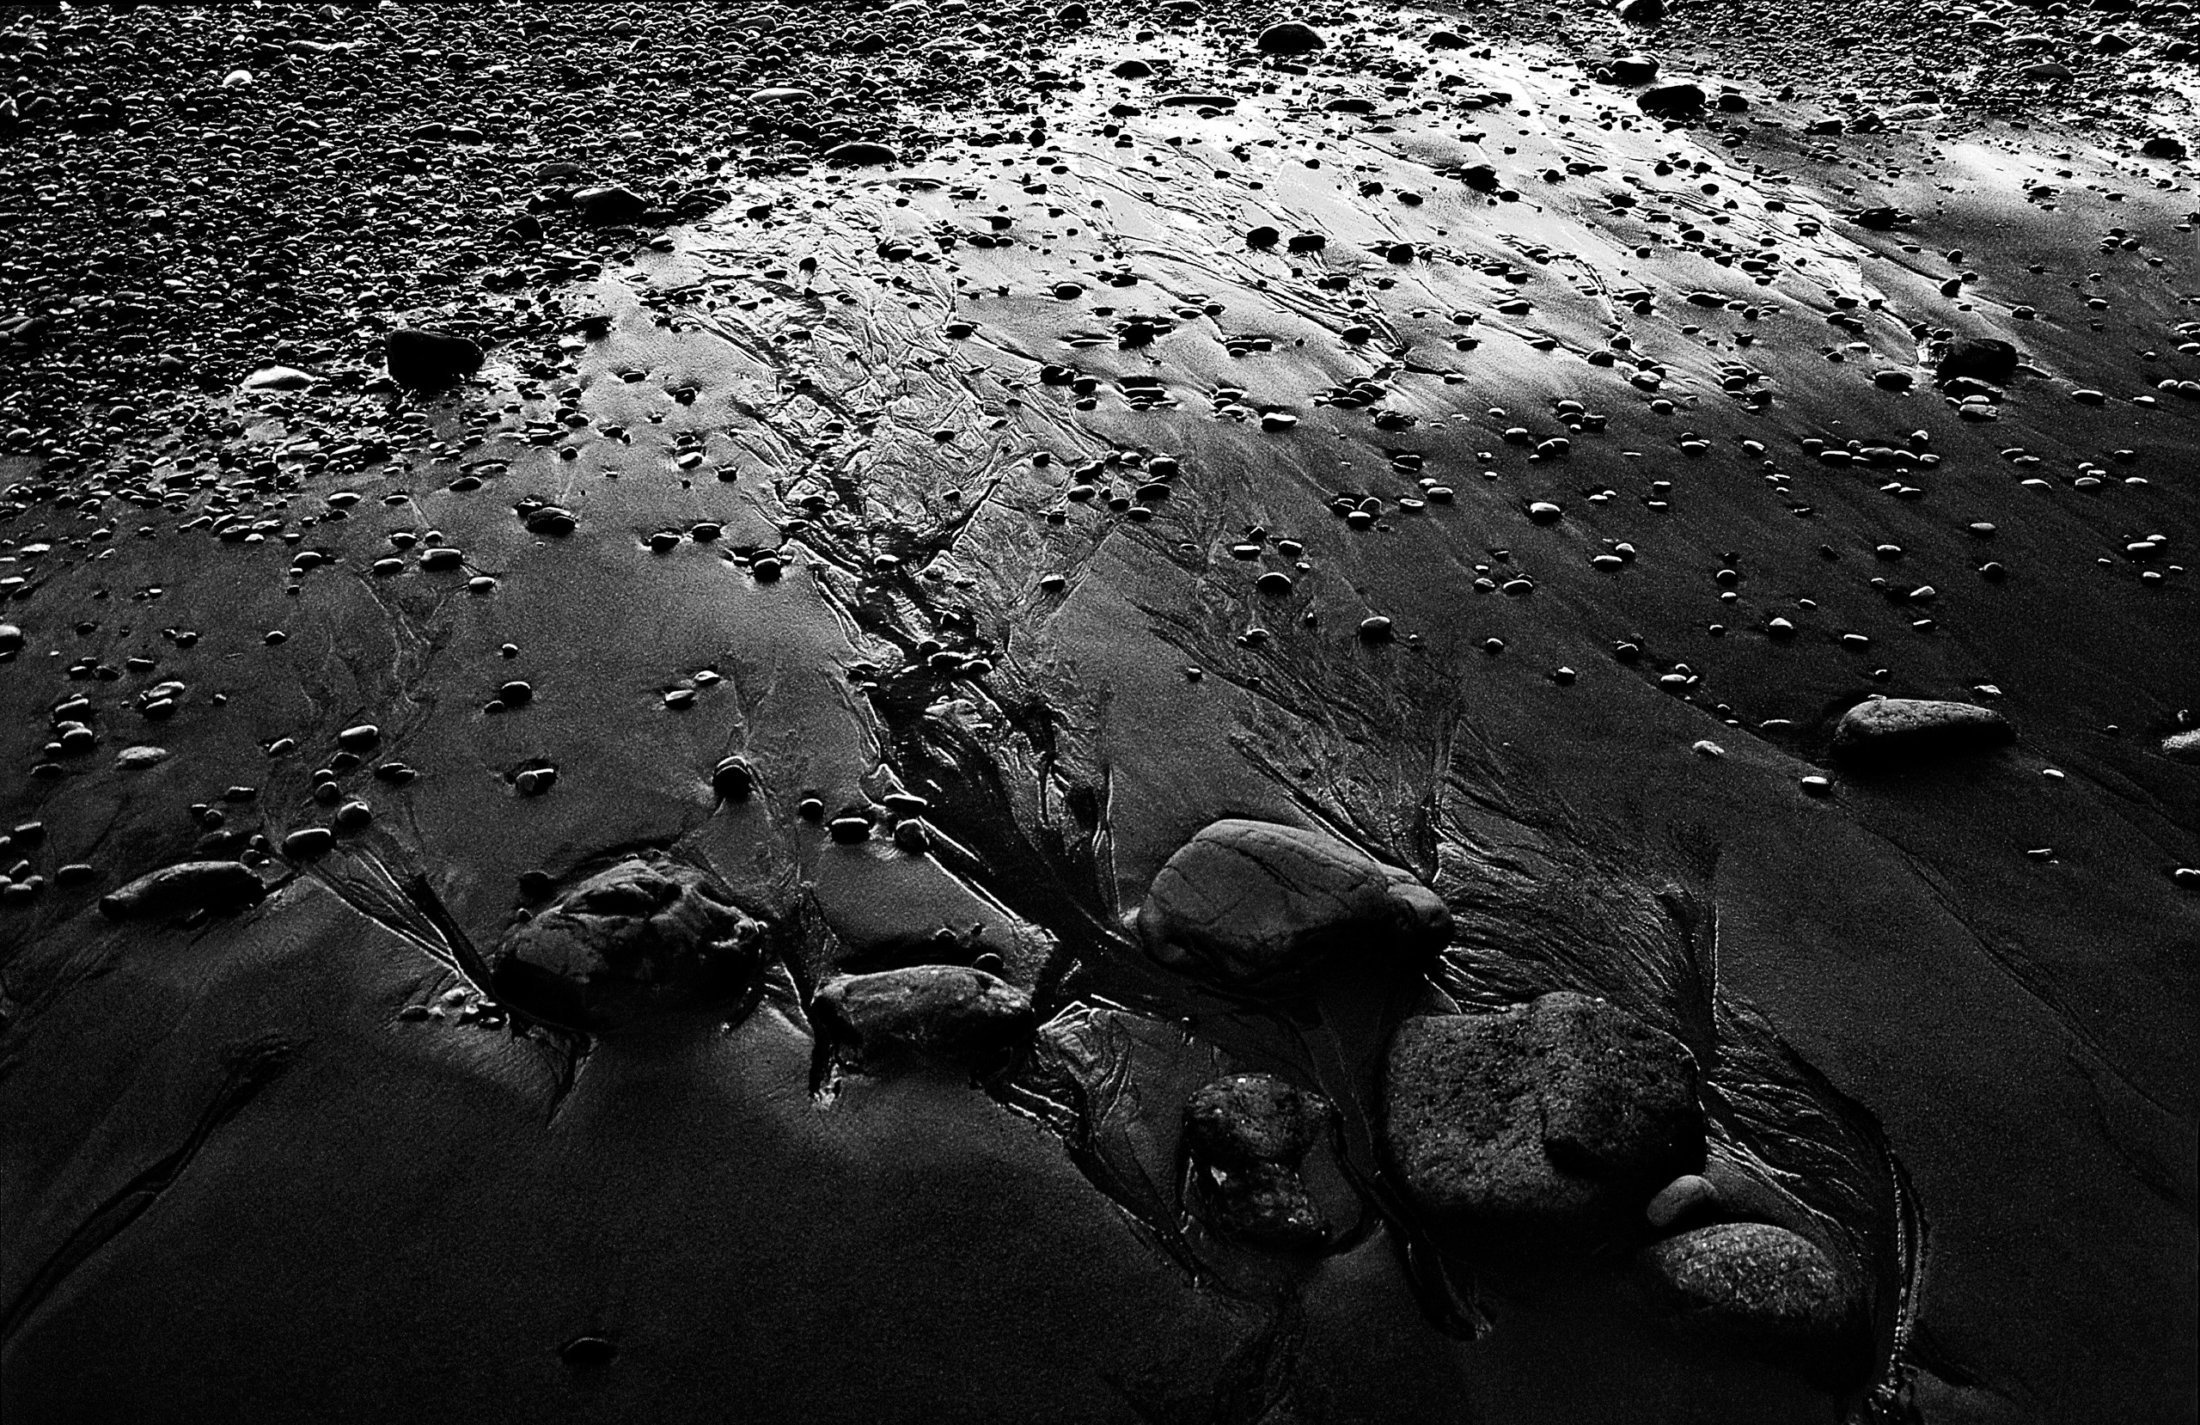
1422, 447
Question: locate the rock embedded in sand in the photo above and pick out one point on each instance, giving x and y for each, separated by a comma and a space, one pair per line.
1685, 1196
429, 360
1290, 37
1252, 902
1766, 1292
644, 937
951, 1015
1985, 359
1247, 1135
860, 154
1672, 101
2183, 746
1550, 1123
1891, 731
180, 890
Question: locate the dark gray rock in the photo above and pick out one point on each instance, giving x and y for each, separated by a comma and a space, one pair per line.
645, 937
1887, 732
610, 203
1247, 1135
1289, 38
1672, 101
1553, 1123
176, 891
1980, 358
859, 154
1253, 902
1766, 1292
429, 360
925, 1014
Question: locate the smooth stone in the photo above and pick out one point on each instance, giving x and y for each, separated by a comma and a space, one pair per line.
1290, 37
1251, 902
429, 360
279, 378
860, 154
1550, 1124
175, 891
137, 759
1985, 359
1888, 731
1686, 1194
951, 1015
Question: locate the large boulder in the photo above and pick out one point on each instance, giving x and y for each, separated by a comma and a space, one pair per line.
1247, 1135
1885, 732
430, 360
2182, 746
1765, 1292
1550, 1124
949, 1015
646, 937
1253, 902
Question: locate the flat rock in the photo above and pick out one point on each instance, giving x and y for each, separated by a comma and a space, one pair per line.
1254, 901
1763, 1291
1553, 1122
179, 890
1890, 731
644, 937
925, 1014
429, 360
860, 154
279, 378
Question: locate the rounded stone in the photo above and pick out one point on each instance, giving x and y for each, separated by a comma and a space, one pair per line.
1253, 902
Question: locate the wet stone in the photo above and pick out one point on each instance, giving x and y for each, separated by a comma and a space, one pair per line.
1887, 732
1551, 1124
1766, 1292
644, 938
1980, 359
949, 1015
1253, 902
1247, 1135
176, 891
429, 360
1290, 37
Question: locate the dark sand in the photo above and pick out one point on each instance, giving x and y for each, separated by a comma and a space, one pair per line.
959, 477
